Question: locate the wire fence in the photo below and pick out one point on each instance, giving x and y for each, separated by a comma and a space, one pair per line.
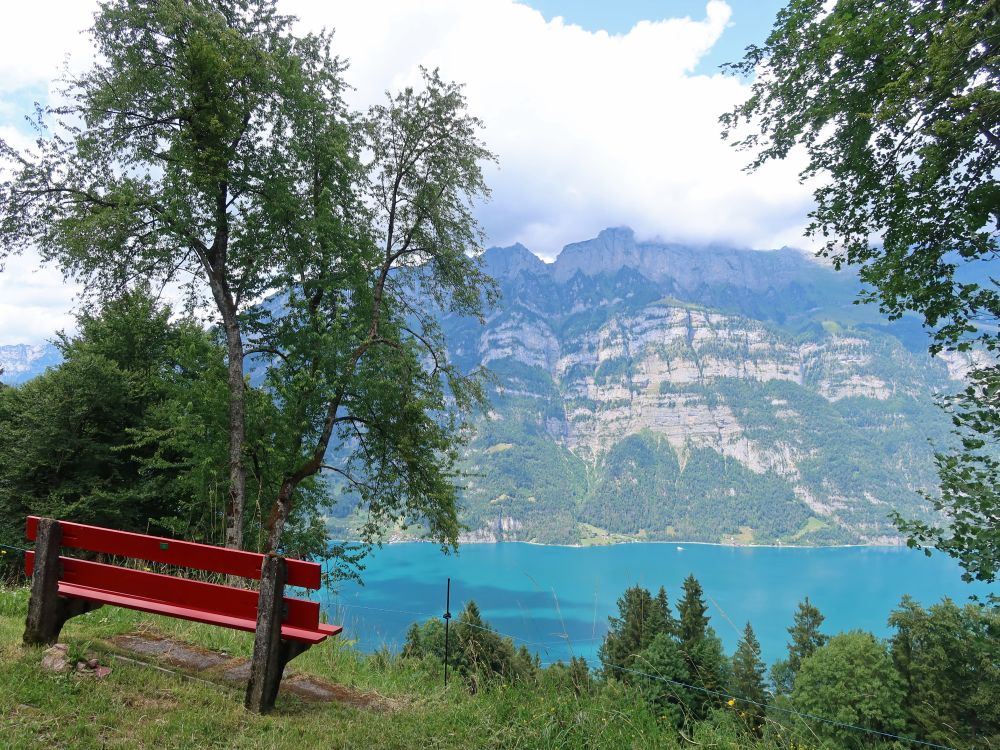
728, 696
566, 640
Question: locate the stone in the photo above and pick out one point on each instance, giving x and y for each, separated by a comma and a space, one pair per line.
54, 658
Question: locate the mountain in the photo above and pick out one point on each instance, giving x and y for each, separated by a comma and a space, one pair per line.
664, 392
22, 362
659, 391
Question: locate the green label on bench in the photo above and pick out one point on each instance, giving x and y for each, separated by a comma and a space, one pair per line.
164, 545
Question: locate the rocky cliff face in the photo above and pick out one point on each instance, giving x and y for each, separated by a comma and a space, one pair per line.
659, 391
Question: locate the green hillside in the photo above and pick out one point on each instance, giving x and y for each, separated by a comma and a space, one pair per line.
656, 391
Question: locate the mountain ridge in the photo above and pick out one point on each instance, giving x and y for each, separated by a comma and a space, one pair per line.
658, 391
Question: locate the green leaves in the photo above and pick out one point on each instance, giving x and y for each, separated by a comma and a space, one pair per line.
897, 107
893, 104
850, 680
211, 147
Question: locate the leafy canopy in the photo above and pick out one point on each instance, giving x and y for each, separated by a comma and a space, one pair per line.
896, 106
210, 147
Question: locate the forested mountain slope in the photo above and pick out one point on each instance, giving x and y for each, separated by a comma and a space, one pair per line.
656, 391
652, 391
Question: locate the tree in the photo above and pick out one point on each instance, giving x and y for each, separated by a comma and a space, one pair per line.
806, 638
84, 441
691, 609
948, 657
662, 666
707, 665
748, 680
477, 651
852, 681
969, 479
895, 105
640, 619
661, 618
363, 365
209, 146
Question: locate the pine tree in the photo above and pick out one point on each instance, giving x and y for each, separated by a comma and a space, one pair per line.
806, 638
629, 633
706, 663
661, 619
748, 680
661, 666
691, 609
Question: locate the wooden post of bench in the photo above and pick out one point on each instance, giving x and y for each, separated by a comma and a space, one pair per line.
42, 625
47, 611
270, 652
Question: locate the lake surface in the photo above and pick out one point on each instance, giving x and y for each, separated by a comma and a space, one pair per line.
556, 600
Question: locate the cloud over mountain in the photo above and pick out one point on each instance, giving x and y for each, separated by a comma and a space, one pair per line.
591, 129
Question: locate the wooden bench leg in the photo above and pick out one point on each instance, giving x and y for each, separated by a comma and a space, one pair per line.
47, 611
270, 652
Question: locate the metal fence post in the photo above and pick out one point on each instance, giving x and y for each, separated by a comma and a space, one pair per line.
447, 617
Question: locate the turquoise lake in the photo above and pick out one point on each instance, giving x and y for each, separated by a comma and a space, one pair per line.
556, 600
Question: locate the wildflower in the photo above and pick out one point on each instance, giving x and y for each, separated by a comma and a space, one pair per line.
731, 702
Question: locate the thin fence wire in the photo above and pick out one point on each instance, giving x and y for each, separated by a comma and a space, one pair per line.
717, 693
566, 639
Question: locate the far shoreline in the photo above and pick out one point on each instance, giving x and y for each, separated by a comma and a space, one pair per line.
463, 543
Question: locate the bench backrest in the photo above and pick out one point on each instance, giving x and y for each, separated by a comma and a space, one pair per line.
158, 549
184, 593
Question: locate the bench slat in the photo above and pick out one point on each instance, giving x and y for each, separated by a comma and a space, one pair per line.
175, 552
192, 600
288, 632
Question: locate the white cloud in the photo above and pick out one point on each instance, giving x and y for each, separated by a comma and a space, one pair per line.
37, 36
35, 302
591, 129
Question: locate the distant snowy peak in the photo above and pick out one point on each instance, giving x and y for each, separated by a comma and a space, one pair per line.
22, 362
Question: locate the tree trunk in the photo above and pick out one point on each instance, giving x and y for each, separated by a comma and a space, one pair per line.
279, 514
237, 436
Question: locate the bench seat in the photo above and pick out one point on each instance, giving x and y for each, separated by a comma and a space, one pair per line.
99, 596
64, 587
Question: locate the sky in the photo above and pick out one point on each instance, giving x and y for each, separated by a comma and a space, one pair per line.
600, 113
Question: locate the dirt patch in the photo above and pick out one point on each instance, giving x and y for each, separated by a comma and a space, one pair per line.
312, 688
213, 666
240, 671
173, 652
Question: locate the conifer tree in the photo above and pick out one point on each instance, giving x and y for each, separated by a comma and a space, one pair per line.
660, 667
661, 618
691, 609
629, 633
748, 680
806, 638
707, 665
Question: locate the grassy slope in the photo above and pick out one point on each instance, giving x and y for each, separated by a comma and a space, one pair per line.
140, 707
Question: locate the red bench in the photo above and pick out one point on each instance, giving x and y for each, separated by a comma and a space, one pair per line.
63, 587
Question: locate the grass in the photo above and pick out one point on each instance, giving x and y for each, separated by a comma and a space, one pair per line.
138, 707
745, 536
595, 536
811, 526
498, 448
